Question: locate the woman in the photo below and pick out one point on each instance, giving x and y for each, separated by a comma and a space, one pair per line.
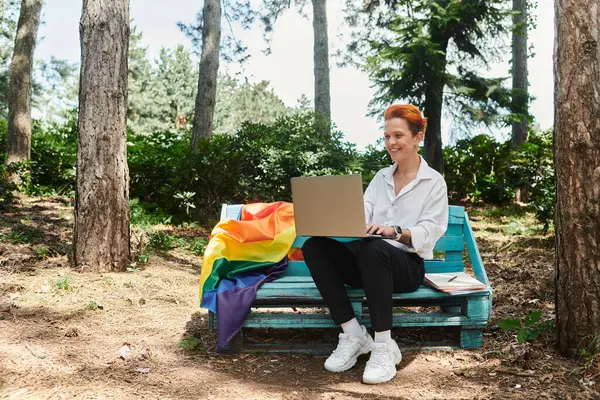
408, 201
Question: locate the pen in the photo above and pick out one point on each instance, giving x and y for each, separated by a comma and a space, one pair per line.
453, 278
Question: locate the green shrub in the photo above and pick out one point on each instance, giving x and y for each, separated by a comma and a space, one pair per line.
6, 187
373, 158
54, 157
529, 328
255, 164
146, 214
198, 246
476, 170
480, 169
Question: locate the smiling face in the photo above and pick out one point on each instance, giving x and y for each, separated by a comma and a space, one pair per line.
400, 141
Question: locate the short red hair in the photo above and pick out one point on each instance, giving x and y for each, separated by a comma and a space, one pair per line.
408, 112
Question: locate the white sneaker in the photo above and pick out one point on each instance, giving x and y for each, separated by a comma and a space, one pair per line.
381, 366
348, 349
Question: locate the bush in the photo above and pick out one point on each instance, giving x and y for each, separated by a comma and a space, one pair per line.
54, 158
480, 169
373, 159
255, 164
476, 170
6, 187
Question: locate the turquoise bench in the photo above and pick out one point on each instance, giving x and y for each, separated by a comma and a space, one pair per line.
466, 313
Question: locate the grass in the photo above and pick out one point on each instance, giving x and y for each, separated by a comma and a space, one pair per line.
590, 355
198, 246
64, 283
192, 345
20, 236
41, 253
92, 305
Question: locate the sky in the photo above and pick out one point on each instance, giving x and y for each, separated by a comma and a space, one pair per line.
289, 68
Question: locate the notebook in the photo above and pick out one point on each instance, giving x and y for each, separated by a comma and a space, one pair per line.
452, 282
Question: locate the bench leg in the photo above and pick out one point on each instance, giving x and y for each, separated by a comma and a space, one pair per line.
469, 338
236, 344
212, 321
357, 306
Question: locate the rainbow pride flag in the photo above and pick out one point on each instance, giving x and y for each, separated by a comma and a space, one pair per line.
242, 255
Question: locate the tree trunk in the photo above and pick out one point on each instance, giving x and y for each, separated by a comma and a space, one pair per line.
209, 66
520, 94
101, 233
434, 99
18, 141
321, 66
577, 166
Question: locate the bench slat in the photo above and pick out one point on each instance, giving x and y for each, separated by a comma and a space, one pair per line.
277, 320
446, 243
301, 289
299, 268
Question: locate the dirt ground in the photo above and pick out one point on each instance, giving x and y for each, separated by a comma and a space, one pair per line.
62, 332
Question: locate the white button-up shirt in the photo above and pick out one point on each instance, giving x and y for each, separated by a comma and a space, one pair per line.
421, 207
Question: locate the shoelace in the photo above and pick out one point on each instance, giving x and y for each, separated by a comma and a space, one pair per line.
379, 356
343, 344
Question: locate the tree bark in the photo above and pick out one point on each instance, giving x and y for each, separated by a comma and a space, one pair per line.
432, 146
577, 166
209, 66
520, 93
18, 141
101, 233
434, 101
321, 66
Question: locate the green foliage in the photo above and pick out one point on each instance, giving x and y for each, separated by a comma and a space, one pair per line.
146, 214
162, 94
238, 102
161, 241
54, 157
480, 169
373, 158
7, 187
55, 89
19, 236
198, 246
41, 253
92, 305
529, 328
190, 344
186, 200
254, 165
9, 13
590, 354
64, 283
476, 170
419, 51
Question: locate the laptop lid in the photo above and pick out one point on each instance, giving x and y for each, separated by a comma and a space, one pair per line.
329, 206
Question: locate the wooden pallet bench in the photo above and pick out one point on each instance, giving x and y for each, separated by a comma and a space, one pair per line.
466, 313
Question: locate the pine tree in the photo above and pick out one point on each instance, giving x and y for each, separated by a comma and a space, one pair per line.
427, 52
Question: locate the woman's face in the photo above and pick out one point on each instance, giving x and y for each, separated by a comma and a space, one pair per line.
399, 140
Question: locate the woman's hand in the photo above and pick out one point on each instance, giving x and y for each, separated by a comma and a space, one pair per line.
375, 229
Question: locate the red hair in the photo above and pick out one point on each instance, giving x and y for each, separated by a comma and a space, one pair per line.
410, 113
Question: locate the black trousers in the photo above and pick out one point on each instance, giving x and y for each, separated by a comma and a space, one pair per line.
371, 264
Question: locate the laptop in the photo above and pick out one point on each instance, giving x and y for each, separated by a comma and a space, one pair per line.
330, 206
